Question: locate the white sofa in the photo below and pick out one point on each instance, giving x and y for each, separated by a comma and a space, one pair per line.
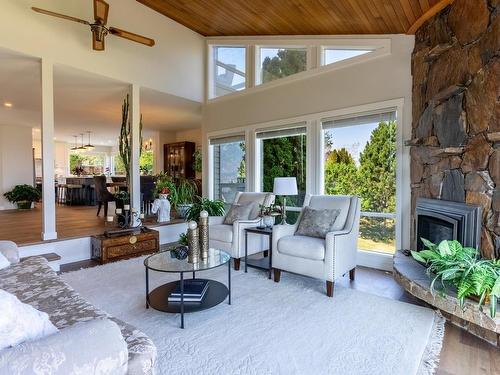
325, 259
231, 238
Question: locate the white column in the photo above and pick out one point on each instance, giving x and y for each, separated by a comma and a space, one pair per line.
49, 202
135, 113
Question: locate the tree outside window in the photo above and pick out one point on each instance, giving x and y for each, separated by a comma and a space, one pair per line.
280, 62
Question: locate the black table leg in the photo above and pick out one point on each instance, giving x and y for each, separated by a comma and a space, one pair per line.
182, 299
229, 278
194, 275
147, 288
270, 254
246, 250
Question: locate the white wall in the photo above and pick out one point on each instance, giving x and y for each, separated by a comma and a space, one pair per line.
380, 79
174, 65
16, 160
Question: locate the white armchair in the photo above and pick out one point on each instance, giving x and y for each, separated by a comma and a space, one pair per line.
320, 258
231, 238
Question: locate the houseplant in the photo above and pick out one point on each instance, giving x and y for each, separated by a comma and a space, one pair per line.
198, 161
124, 141
451, 263
165, 183
186, 191
214, 208
23, 196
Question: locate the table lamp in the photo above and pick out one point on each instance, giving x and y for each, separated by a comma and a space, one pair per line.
285, 186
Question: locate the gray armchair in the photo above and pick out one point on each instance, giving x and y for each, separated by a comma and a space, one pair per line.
231, 238
327, 258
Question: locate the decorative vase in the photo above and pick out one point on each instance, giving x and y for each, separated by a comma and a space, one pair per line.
268, 221
193, 236
24, 205
161, 206
204, 235
182, 210
181, 252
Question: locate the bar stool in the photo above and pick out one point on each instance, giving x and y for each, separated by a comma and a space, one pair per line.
61, 193
73, 192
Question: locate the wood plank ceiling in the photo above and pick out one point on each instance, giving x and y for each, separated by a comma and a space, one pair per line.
296, 17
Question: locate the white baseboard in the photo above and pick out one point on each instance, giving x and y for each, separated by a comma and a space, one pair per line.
78, 249
375, 260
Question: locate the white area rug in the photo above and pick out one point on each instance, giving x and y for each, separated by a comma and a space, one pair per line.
285, 328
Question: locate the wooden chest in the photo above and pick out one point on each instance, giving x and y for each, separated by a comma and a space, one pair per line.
109, 249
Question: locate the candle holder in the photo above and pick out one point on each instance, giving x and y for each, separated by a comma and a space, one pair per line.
204, 235
127, 218
193, 242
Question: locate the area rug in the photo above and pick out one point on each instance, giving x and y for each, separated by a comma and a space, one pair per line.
289, 327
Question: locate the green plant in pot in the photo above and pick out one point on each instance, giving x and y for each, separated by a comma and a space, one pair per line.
23, 196
214, 208
452, 264
122, 198
165, 183
186, 192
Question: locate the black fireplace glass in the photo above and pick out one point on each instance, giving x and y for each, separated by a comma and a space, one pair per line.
434, 230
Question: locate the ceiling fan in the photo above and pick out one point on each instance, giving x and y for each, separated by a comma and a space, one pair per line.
99, 28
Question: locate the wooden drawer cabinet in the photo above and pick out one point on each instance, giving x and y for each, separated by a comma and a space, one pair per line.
109, 249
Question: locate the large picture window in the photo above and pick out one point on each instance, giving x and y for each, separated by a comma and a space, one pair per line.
229, 168
228, 70
278, 63
283, 154
360, 159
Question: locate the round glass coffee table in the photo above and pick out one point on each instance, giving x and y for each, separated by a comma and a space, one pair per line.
165, 261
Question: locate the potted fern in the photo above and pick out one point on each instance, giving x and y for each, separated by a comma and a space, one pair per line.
186, 191
452, 264
23, 196
214, 208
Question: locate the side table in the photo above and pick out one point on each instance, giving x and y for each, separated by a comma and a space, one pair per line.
259, 263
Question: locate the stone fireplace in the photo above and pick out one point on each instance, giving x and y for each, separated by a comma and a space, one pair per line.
455, 145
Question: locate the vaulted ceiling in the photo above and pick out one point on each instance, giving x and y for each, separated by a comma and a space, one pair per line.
297, 17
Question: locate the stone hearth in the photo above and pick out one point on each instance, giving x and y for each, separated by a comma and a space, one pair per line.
455, 145
412, 276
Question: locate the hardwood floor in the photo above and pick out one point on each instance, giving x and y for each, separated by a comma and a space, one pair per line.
25, 227
462, 352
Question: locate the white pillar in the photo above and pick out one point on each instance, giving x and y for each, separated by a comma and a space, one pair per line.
135, 113
49, 202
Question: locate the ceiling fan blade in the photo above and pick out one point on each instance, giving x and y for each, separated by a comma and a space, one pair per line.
54, 14
131, 36
97, 45
101, 9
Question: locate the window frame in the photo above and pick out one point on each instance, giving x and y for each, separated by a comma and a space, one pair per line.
314, 45
257, 60
211, 66
315, 164
370, 214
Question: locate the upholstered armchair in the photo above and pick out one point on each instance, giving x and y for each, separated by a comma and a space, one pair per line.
327, 258
231, 238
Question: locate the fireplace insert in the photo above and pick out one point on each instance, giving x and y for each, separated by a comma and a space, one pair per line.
439, 220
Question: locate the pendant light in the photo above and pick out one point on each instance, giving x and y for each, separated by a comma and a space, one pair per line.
89, 146
82, 147
76, 146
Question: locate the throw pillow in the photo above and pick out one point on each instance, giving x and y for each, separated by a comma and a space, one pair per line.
238, 212
317, 223
4, 262
20, 322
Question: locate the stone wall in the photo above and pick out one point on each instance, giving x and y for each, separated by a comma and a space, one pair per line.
455, 145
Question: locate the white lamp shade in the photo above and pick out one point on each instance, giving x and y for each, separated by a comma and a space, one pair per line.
285, 186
